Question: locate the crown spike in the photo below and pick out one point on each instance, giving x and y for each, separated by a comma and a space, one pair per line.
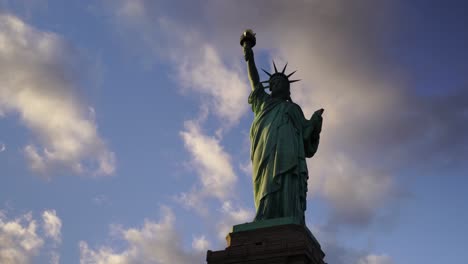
293, 81
276, 71
291, 73
284, 69
269, 74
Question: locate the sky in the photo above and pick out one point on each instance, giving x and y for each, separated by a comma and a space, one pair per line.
124, 126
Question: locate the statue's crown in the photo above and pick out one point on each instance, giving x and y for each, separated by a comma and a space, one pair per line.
278, 74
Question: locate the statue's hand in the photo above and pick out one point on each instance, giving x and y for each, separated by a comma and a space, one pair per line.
318, 113
314, 126
317, 120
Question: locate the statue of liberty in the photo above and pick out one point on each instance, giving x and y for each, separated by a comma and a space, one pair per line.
281, 139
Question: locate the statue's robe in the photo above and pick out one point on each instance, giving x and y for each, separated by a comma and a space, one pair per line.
278, 152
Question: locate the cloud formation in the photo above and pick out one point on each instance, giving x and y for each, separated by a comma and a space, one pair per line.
211, 162
216, 179
155, 242
52, 225
21, 240
376, 125
376, 259
355, 194
198, 65
231, 215
327, 45
37, 82
338, 253
201, 69
200, 243
338, 62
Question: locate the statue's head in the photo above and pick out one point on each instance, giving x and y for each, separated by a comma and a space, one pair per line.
279, 87
279, 83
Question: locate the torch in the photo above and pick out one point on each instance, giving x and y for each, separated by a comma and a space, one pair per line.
247, 39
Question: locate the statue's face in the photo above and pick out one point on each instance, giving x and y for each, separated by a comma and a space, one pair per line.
279, 88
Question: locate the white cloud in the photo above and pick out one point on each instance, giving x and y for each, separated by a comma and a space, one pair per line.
155, 242
376, 259
52, 225
355, 192
104, 255
199, 66
2, 147
101, 199
194, 199
54, 258
209, 76
20, 240
36, 83
231, 215
203, 70
200, 244
237, 214
246, 168
211, 162
131, 9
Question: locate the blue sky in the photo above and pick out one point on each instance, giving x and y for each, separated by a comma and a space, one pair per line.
124, 127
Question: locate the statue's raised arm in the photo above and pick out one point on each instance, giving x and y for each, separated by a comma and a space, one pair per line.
248, 41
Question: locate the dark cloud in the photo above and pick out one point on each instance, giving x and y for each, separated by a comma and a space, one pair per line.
336, 253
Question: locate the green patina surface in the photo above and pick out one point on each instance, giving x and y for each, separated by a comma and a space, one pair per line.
281, 140
265, 223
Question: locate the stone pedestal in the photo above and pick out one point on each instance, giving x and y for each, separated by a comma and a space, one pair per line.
273, 244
